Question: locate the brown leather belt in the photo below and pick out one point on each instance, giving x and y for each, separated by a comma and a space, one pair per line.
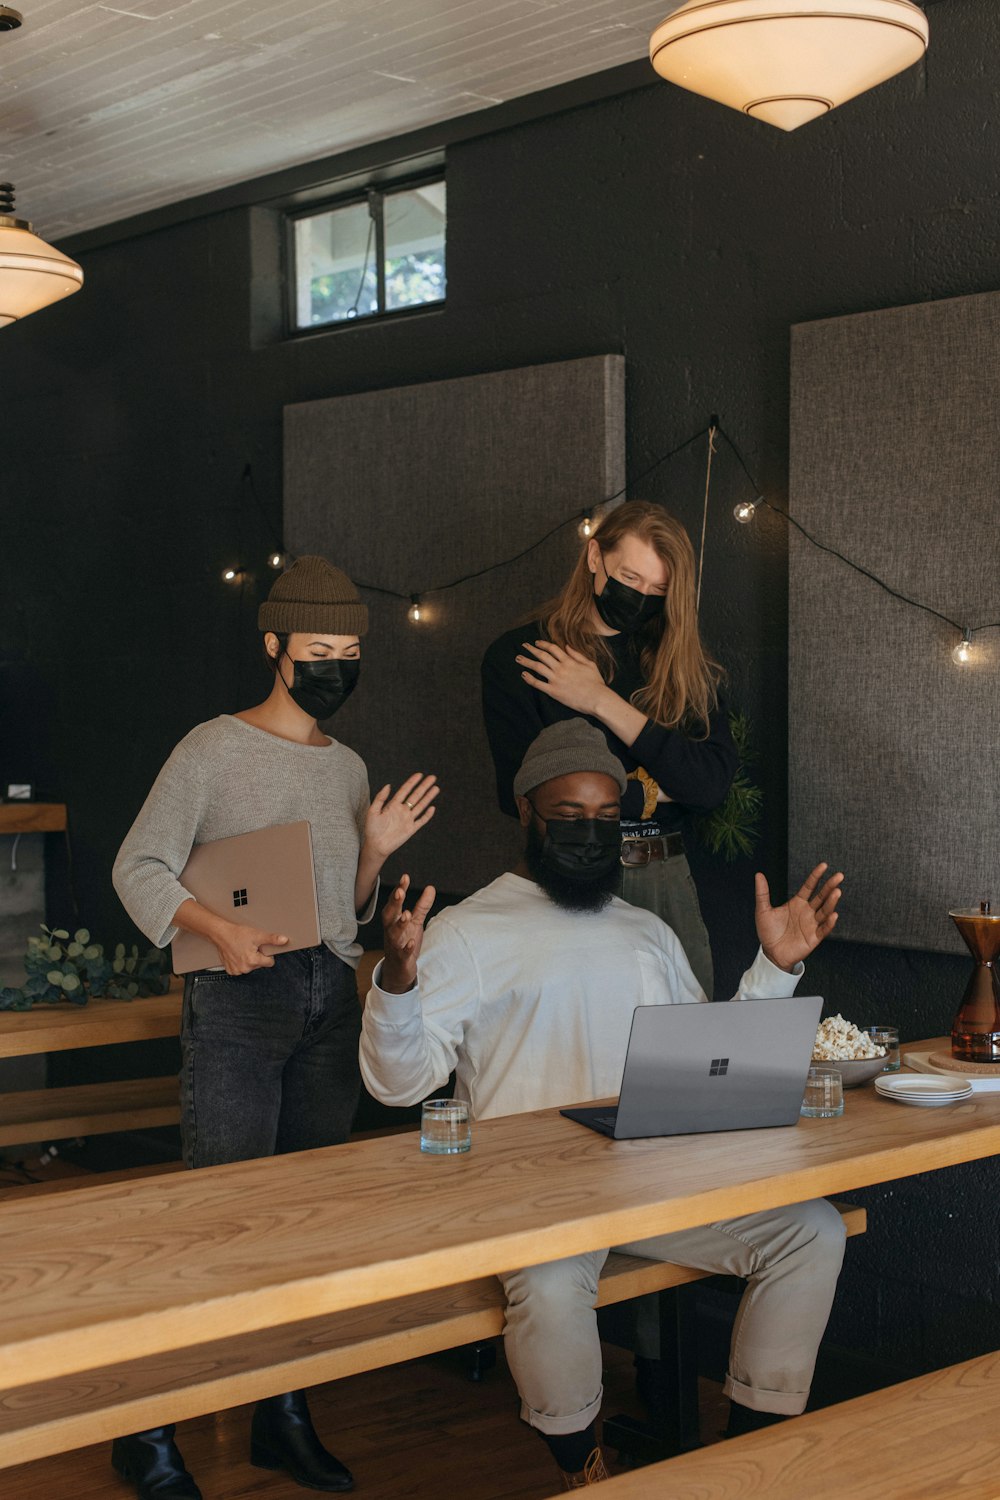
645, 851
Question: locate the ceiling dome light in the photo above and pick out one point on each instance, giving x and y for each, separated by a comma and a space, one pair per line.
32, 273
787, 61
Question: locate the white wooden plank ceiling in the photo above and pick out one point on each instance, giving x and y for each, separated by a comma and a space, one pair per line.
107, 110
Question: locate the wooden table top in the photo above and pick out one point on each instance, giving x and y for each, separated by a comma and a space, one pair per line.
108, 1273
61, 1027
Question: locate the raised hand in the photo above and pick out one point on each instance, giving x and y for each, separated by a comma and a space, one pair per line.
789, 933
404, 936
564, 674
391, 820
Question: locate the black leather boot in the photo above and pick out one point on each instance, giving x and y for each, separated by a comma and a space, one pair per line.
283, 1437
153, 1463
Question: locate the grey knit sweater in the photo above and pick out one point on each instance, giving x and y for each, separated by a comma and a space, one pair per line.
226, 777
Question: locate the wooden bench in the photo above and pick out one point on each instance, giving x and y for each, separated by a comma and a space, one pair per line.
74, 1411
934, 1436
88, 1109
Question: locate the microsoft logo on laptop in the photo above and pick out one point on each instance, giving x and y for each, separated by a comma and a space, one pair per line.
240, 897
719, 1068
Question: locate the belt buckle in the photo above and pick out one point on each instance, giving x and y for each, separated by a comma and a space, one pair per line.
635, 863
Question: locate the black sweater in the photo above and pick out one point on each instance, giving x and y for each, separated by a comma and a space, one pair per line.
695, 773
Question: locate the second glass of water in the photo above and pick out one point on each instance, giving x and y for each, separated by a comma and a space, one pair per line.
445, 1127
824, 1095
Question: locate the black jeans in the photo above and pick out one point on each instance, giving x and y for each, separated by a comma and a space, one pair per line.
269, 1059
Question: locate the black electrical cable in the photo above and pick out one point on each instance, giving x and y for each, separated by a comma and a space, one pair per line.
713, 425
823, 547
353, 310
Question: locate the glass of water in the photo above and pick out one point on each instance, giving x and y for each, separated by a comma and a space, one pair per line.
887, 1037
445, 1127
824, 1095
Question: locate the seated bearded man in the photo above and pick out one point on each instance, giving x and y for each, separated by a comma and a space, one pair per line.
527, 991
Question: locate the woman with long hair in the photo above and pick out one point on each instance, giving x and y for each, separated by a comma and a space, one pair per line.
269, 1039
620, 646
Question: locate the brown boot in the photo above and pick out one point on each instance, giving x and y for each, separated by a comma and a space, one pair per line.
592, 1472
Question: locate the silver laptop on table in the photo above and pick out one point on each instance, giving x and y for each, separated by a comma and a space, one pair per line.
697, 1068
263, 879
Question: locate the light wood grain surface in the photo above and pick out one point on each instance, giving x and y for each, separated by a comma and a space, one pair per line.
56, 1415
59, 1028
32, 817
113, 1273
88, 1109
925, 1439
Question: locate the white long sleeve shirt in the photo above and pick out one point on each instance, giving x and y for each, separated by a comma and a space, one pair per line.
530, 1004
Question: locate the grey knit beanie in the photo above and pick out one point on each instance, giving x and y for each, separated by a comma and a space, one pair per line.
313, 595
568, 746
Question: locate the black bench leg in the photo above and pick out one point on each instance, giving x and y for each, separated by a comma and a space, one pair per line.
674, 1425
479, 1358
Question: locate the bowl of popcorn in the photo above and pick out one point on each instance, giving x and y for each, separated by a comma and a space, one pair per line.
852, 1052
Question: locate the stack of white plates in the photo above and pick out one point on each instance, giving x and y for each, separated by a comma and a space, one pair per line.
918, 1088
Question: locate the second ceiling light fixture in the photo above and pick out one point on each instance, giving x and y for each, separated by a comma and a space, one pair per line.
787, 61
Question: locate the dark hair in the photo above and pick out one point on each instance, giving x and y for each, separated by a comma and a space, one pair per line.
271, 662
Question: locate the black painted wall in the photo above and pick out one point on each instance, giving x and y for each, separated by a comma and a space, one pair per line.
655, 224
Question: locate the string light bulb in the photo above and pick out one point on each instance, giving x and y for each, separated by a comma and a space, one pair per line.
585, 530
414, 614
232, 575
962, 653
276, 560
747, 509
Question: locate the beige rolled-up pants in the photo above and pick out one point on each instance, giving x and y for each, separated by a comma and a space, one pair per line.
790, 1257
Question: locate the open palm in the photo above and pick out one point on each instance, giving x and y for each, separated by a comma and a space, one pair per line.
789, 933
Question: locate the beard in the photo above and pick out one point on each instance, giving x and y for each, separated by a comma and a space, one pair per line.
590, 894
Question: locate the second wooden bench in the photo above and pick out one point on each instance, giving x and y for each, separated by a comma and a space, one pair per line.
75, 1411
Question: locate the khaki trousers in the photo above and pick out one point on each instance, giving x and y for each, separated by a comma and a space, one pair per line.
790, 1257
667, 889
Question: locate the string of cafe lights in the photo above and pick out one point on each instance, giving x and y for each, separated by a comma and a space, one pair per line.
587, 520
744, 512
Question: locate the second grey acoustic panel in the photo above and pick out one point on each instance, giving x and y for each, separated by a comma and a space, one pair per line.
414, 486
895, 462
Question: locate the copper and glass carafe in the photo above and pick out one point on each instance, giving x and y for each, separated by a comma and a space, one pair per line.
975, 1032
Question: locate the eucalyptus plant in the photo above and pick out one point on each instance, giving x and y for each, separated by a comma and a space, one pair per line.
733, 828
60, 967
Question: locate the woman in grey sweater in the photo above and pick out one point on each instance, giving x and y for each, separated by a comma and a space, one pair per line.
269, 1044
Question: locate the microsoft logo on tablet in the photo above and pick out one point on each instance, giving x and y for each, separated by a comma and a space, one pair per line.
240, 897
719, 1068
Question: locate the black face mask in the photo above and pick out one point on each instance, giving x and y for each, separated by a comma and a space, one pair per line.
319, 688
581, 848
624, 608
575, 862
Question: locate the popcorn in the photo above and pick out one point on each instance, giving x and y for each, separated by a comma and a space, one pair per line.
838, 1040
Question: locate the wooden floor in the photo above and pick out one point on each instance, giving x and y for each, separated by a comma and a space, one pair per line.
413, 1432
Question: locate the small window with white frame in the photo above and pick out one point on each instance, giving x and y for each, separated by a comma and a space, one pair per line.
372, 254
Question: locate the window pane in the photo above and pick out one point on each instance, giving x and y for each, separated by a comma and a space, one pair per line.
414, 246
335, 266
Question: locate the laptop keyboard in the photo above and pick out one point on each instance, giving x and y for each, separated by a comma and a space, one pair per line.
609, 1120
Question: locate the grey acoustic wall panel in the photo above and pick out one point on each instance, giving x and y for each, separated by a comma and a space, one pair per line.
894, 763
414, 486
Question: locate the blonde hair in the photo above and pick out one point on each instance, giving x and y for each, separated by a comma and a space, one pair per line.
681, 678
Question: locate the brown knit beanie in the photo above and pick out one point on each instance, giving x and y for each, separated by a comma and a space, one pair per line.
566, 746
313, 595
